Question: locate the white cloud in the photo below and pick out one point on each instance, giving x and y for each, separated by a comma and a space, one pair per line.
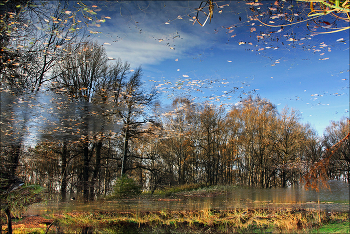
145, 49
138, 33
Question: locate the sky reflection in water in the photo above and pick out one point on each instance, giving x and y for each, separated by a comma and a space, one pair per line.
233, 55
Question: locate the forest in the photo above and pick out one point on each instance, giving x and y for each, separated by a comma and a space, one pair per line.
103, 125
95, 121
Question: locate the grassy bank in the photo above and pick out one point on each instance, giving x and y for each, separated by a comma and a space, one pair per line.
201, 221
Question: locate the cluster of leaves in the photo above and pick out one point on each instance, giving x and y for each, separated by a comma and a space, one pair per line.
126, 187
18, 200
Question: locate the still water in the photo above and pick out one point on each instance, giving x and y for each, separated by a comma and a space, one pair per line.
335, 199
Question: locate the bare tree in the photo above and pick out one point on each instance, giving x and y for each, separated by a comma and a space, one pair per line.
133, 103
78, 75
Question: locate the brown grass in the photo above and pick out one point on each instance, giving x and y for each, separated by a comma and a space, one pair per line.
218, 221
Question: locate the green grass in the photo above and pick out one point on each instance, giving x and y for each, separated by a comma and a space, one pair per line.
176, 189
334, 227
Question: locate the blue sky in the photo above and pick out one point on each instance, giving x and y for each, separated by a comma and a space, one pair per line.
226, 60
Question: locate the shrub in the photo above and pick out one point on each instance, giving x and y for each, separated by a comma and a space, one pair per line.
126, 187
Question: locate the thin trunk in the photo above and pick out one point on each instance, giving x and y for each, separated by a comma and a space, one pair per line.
86, 172
86, 158
125, 153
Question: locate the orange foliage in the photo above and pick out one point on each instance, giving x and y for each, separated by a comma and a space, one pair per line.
318, 172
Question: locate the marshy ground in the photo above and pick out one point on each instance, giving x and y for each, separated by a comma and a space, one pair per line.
207, 220
200, 221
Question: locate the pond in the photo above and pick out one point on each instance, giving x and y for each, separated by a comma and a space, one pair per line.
335, 199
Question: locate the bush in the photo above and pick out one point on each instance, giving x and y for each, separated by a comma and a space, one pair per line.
126, 187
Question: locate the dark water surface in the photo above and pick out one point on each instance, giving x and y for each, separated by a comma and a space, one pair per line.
335, 199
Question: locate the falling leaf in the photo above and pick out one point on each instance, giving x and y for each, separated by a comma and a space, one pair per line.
229, 61
93, 6
185, 75
68, 12
241, 43
106, 43
107, 17
176, 60
160, 40
252, 29
167, 23
233, 35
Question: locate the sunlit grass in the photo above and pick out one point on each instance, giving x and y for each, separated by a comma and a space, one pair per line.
175, 189
334, 227
236, 220
248, 220
188, 189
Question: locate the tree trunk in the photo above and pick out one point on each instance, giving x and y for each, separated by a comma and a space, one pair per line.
86, 159
86, 172
97, 169
16, 150
283, 178
64, 172
9, 221
125, 152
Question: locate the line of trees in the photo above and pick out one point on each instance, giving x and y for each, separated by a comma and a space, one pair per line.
101, 124
85, 151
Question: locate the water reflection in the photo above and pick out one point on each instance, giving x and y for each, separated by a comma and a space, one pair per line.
335, 199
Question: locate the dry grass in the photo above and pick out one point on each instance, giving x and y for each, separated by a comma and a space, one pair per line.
236, 220
200, 221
